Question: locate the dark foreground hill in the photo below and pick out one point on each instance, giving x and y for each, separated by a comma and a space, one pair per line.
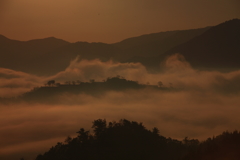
130, 140
116, 140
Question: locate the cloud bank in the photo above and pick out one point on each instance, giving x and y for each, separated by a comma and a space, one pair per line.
205, 104
14, 83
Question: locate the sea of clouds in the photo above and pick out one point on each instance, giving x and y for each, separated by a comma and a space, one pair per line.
205, 103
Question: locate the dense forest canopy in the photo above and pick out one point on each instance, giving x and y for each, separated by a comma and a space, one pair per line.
129, 140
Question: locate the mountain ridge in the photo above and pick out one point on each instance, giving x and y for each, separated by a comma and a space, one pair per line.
38, 55
218, 47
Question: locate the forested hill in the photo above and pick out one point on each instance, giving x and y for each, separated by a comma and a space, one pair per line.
130, 140
52, 88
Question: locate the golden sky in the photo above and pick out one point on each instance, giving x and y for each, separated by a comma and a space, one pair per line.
108, 20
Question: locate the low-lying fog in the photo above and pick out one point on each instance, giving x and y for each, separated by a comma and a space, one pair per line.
205, 104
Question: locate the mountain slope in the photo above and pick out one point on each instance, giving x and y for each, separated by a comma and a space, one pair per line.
205, 48
217, 48
24, 55
50, 55
156, 43
59, 59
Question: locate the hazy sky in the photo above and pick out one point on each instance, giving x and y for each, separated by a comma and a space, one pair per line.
108, 20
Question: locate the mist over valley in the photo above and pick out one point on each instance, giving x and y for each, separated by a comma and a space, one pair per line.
186, 83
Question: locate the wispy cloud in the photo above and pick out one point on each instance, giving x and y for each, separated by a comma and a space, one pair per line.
84, 70
14, 83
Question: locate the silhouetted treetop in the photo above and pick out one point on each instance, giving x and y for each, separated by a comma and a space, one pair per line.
53, 89
130, 140
221, 147
114, 140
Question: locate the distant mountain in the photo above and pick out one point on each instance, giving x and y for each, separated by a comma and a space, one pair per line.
146, 45
211, 47
50, 55
61, 57
217, 48
156, 43
24, 55
32, 47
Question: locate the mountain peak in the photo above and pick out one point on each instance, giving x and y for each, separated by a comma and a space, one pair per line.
235, 20
2, 37
228, 26
217, 48
49, 41
51, 38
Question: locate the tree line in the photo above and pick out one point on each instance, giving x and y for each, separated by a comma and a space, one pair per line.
130, 140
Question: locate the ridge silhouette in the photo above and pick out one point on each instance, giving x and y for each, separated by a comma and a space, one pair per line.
52, 89
131, 140
215, 48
